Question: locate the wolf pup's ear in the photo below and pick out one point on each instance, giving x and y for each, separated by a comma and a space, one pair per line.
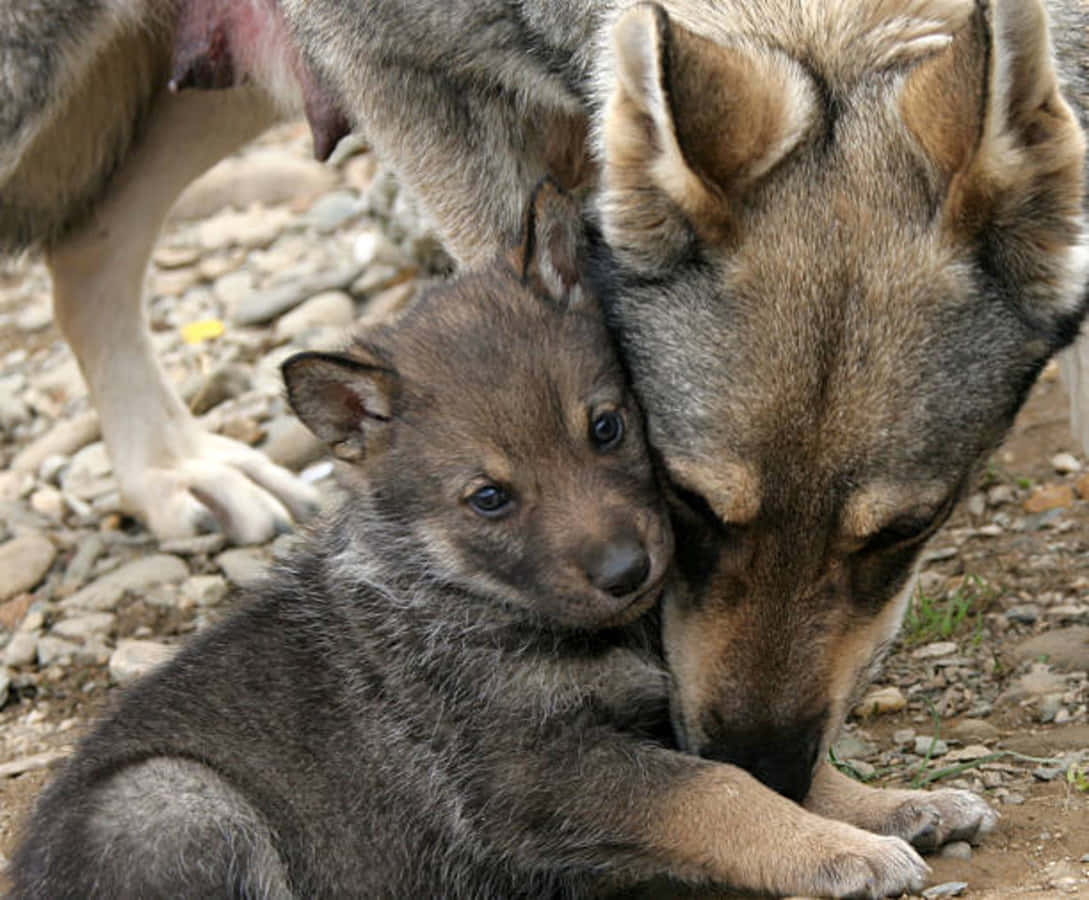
1007, 153
689, 127
345, 401
553, 243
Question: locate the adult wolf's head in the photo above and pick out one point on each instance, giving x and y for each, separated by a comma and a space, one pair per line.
845, 236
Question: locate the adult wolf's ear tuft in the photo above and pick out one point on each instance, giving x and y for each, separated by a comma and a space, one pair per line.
1007, 151
345, 401
553, 244
690, 126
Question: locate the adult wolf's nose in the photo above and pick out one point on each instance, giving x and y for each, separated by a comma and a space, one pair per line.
619, 568
781, 758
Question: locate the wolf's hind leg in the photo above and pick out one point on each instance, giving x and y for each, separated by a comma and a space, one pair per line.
175, 476
171, 827
926, 819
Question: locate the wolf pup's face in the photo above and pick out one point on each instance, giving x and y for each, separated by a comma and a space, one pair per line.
845, 247
494, 436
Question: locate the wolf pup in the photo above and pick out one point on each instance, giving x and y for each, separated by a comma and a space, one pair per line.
447, 692
842, 238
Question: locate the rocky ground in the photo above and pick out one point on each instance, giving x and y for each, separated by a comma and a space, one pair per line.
271, 253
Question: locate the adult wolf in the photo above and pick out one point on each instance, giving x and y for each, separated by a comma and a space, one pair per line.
840, 238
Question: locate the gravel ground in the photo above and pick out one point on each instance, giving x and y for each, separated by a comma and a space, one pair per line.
272, 253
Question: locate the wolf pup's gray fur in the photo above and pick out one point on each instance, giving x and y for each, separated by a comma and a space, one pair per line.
446, 692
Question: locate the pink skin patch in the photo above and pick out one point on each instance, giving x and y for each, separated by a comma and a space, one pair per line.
219, 44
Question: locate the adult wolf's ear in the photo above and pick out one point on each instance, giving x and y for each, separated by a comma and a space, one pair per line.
344, 400
1006, 151
552, 250
689, 127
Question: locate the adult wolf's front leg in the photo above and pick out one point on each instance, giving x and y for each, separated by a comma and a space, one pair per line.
173, 475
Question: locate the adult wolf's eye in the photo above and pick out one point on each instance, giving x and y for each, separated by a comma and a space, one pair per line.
607, 429
490, 501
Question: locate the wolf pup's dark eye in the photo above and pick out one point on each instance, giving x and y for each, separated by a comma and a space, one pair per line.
490, 501
607, 429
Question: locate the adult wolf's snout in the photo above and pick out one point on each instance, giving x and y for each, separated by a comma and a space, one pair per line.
782, 757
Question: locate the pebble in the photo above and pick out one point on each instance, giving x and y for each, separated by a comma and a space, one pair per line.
205, 590
22, 649
334, 210
935, 650
64, 438
138, 575
254, 227
81, 627
1049, 496
291, 444
948, 889
1065, 463
1000, 494
264, 306
966, 754
54, 650
134, 658
23, 563
327, 308
881, 701
1023, 613
202, 544
934, 747
1037, 682
956, 850
974, 731
1064, 648
89, 474
242, 564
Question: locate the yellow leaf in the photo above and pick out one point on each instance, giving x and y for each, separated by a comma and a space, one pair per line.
204, 330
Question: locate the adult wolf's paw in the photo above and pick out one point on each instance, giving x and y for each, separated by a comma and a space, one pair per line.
212, 482
929, 819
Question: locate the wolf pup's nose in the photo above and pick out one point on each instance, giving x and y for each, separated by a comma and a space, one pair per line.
619, 568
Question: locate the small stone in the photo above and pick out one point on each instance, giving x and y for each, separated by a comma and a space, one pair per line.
133, 659
136, 576
1049, 496
1037, 682
334, 210
205, 590
255, 227
89, 549
999, 495
1065, 463
64, 438
880, 701
233, 288
1014, 799
201, 544
862, 769
1023, 614
934, 747
957, 850
327, 308
977, 505
48, 502
903, 737
23, 563
167, 257
935, 650
974, 731
1049, 706
966, 754
948, 889
1066, 649
13, 612
22, 649
374, 248
264, 306
1047, 773
243, 565
90, 474
81, 627
55, 650
291, 444
34, 317
1081, 486
852, 745
223, 384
